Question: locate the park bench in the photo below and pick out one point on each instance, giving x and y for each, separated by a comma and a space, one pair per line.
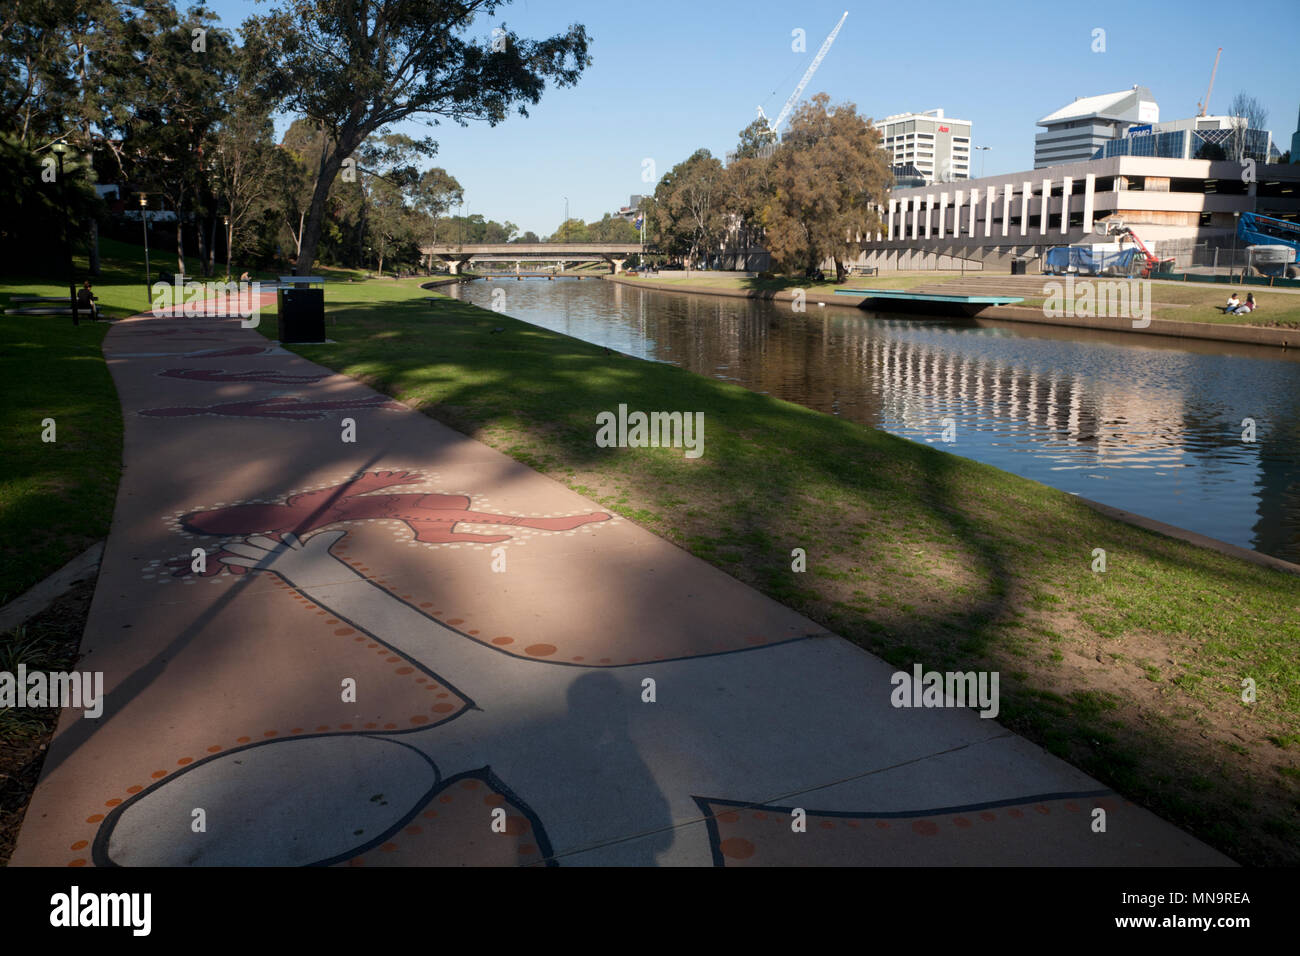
32, 305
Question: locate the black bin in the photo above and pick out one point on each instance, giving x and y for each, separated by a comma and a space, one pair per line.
1018, 267
302, 309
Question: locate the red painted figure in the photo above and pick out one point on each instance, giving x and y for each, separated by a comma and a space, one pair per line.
433, 517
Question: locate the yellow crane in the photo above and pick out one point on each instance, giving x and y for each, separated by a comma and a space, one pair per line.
1206, 105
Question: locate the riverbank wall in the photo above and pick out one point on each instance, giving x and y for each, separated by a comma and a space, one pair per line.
1241, 334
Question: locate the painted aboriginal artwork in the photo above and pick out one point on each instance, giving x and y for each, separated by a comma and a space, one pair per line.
568, 752
260, 376
281, 408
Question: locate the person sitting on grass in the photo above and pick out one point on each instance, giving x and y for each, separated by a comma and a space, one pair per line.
86, 300
1246, 307
1233, 302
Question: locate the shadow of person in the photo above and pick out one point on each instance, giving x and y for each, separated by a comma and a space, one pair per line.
603, 806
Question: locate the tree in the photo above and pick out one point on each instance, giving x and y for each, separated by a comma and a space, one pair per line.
245, 161
612, 229
1247, 113
756, 139
687, 207
499, 231
165, 91
830, 175
748, 186
528, 236
571, 230
357, 68
435, 193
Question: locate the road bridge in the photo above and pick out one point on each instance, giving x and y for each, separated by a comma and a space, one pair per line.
457, 254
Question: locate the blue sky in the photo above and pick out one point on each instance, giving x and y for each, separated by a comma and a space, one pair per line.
671, 77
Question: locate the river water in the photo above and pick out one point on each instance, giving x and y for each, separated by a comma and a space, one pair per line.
1150, 425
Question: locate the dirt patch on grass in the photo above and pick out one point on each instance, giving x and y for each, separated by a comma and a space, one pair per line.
48, 642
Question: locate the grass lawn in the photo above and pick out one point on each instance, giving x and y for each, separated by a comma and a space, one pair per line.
56, 498
1198, 302
1133, 675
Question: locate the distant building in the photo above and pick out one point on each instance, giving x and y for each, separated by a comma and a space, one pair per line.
907, 176
1200, 137
1075, 133
1176, 205
1295, 142
631, 210
938, 147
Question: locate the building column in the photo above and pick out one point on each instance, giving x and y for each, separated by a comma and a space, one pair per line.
890, 221
1066, 182
974, 205
1089, 183
943, 214
958, 204
1007, 190
990, 196
1047, 201
916, 215
929, 207
1026, 194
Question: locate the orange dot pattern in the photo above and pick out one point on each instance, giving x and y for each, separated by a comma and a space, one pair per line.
443, 709
752, 836
455, 829
536, 651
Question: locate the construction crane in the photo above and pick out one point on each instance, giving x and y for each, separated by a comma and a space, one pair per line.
1206, 105
798, 90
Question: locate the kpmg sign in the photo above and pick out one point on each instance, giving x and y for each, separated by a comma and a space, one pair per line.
1144, 130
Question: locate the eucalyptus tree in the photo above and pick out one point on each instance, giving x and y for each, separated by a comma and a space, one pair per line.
357, 66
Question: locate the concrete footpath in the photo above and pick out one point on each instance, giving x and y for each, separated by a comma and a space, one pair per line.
408, 649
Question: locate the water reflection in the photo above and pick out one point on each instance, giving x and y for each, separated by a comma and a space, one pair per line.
1153, 427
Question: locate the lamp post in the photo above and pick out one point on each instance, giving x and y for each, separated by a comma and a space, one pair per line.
60, 149
226, 221
144, 228
1232, 266
985, 149
566, 219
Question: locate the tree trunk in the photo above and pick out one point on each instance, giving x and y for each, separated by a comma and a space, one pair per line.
180, 244
212, 245
202, 243
310, 240
94, 246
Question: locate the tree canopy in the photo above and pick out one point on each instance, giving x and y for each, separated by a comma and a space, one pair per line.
355, 68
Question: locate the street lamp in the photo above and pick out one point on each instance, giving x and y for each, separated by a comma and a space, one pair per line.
566, 219
61, 149
226, 220
144, 227
986, 149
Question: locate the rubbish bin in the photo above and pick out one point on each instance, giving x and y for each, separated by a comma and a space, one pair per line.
1018, 267
302, 309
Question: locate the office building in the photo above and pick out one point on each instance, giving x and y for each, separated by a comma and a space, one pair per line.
938, 147
1200, 137
1076, 132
